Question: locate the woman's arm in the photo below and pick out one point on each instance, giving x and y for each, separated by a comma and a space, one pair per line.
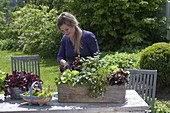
61, 54
92, 43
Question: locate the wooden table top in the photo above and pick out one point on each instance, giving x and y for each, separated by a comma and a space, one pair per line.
133, 103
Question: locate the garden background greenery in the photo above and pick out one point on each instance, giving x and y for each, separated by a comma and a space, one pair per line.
124, 29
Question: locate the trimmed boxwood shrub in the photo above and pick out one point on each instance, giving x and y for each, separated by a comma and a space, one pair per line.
157, 56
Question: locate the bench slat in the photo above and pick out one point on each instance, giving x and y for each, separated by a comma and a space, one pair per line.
26, 63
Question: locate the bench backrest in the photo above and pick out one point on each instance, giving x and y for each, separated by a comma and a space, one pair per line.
144, 82
26, 63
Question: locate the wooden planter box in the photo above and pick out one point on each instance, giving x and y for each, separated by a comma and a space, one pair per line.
114, 94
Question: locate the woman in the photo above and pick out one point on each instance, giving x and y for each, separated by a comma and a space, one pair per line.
75, 41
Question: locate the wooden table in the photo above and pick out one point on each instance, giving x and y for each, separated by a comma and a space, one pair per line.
134, 104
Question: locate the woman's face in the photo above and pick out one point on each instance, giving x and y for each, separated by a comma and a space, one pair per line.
67, 30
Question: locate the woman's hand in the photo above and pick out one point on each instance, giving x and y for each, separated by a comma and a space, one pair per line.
64, 65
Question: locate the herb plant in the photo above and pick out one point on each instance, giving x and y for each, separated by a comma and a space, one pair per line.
38, 91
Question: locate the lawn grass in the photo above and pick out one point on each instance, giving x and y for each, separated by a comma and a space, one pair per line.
48, 68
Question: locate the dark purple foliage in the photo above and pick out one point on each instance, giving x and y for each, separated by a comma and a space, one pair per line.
118, 78
22, 80
73, 65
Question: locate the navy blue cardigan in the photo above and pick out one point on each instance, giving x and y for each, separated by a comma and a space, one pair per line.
89, 47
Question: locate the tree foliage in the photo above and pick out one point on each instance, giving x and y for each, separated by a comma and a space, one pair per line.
127, 23
50, 3
117, 24
34, 27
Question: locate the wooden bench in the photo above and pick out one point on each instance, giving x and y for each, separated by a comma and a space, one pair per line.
26, 63
144, 83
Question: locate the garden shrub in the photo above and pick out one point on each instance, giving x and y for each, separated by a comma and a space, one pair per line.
10, 44
160, 107
51, 3
157, 57
35, 28
123, 60
3, 26
2, 78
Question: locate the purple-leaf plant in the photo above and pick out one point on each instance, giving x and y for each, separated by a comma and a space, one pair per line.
22, 80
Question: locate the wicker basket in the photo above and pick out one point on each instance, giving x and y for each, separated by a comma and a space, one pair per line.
35, 99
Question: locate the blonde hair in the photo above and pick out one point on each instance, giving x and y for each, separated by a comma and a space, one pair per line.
70, 20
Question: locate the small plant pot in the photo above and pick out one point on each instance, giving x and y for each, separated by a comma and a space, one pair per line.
15, 93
